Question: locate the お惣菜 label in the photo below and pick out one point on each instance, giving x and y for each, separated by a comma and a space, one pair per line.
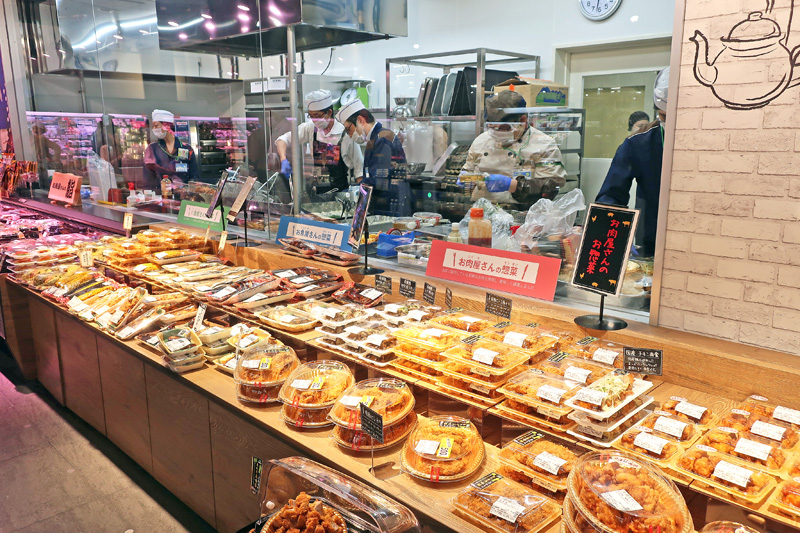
514, 338
482, 355
651, 443
594, 397
670, 426
771, 431
621, 500
601, 355
574, 373
691, 410
787, 415
550, 393
507, 509
733, 474
753, 449
549, 462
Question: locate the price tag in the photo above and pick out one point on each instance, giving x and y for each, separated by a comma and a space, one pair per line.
286, 319
178, 344
670, 426
355, 330
621, 500
286, 274
86, 258
199, 316
127, 332
227, 291
256, 297
427, 447
752, 448
310, 288
429, 293
127, 221
301, 384
223, 238
498, 306
301, 280
733, 474
317, 383
383, 284
417, 314
265, 363
549, 462
594, 397
469, 319
249, 340
208, 232
350, 401
482, 355
550, 393
74, 301
787, 415
604, 356
691, 410
251, 364
231, 363
376, 340
448, 297
649, 442
392, 308
771, 431
371, 294
445, 448
578, 374
515, 338
371, 423
433, 332
408, 288
507, 509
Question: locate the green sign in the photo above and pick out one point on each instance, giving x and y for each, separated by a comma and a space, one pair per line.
194, 214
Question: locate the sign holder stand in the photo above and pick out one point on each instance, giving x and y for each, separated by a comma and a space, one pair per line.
246, 243
599, 322
366, 270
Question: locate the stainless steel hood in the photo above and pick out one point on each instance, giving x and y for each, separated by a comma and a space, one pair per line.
259, 27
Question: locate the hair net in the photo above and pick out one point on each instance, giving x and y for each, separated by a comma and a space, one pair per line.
661, 90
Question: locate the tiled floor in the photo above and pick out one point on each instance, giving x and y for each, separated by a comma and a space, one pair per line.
57, 474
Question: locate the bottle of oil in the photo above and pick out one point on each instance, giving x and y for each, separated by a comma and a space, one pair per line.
480, 229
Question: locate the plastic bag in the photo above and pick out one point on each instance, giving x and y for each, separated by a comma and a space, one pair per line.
501, 225
101, 174
548, 218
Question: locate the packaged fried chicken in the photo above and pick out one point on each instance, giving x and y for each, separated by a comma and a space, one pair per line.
543, 393
316, 384
761, 451
642, 442
463, 321
605, 433
546, 462
574, 368
664, 424
500, 505
261, 371
488, 359
683, 409
787, 497
769, 428
535, 340
427, 341
763, 407
598, 350
727, 474
304, 515
473, 389
617, 492
390, 398
607, 393
358, 441
356, 293
442, 449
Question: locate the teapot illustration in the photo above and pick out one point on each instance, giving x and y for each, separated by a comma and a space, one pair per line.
754, 39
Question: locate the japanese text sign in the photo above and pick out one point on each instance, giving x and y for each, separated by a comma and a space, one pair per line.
65, 188
429, 294
383, 284
194, 214
371, 423
605, 245
314, 231
408, 288
643, 361
514, 272
498, 306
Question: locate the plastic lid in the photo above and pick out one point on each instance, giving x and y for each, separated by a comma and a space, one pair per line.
476, 212
574, 369
266, 365
316, 384
536, 387
537, 452
390, 398
485, 358
443, 448
611, 488
430, 336
455, 227
724, 526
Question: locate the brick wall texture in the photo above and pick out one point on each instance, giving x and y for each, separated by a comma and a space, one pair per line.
732, 261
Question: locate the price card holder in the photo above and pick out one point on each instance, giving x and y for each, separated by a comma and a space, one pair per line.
199, 316
86, 258
127, 223
383, 284
644, 361
408, 288
255, 474
498, 306
448, 298
223, 238
429, 293
372, 425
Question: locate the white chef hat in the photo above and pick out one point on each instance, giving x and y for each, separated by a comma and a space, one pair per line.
349, 110
160, 115
661, 90
318, 100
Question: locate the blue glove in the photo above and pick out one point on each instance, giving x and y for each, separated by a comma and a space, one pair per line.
286, 168
497, 183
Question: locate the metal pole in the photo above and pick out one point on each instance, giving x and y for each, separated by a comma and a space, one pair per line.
297, 159
388, 89
479, 91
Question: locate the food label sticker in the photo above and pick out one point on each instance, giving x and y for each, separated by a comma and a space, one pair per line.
231, 363
127, 221
223, 239
103, 310
487, 481
733, 474
59, 293
433, 332
753, 449
350, 401
227, 291
161, 255
549, 462
480, 388
740, 412
177, 344
287, 318
367, 400
80, 308
427, 447
331, 312
651, 443
256, 297
85, 258
309, 288
317, 384
602, 355
787, 415
248, 341
301, 280
301, 384
482, 355
417, 314
376, 340
621, 500
771, 431
507, 509
265, 363
371, 294
515, 338
392, 308
445, 448
594, 397
355, 330
528, 438
454, 424
469, 319
670, 426
74, 302
286, 274
127, 332
251, 364
691, 410
550, 393
575, 373
152, 341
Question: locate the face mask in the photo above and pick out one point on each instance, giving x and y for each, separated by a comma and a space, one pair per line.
159, 133
320, 123
503, 136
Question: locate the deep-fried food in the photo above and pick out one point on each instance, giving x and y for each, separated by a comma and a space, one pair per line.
462, 458
682, 409
606, 393
745, 446
302, 515
704, 462
645, 443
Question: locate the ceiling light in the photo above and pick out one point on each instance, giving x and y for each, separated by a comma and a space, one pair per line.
416, 46
144, 32
274, 10
173, 23
276, 21
210, 26
244, 17
340, 58
243, 8
45, 55
319, 61
182, 36
118, 37
635, 18
205, 15
33, 58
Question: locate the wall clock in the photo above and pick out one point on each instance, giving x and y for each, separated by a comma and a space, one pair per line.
598, 9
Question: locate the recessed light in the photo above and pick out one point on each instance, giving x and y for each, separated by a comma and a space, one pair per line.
245, 29
340, 58
118, 37
144, 32
173, 23
416, 46
243, 8
205, 15
635, 18
182, 36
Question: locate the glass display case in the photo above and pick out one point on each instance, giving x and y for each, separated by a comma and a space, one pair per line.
63, 141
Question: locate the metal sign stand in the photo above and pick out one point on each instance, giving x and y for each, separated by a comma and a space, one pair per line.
599, 322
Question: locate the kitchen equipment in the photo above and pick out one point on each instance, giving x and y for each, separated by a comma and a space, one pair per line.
406, 107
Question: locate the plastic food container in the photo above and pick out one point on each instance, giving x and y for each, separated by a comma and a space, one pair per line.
415, 369
248, 338
763, 453
443, 449
470, 391
500, 505
427, 342
490, 360
261, 372
544, 394
574, 369
641, 441
334, 318
356, 440
428, 218
212, 333
173, 256
605, 433
187, 363
138, 325
218, 347
316, 384
300, 417
463, 321
396, 313
415, 254
769, 428
129, 249
726, 527
179, 341
360, 332
168, 298
390, 398
597, 350
529, 338
358, 294
287, 319
687, 411
763, 407
664, 424
309, 278
607, 396
546, 462
726, 474
786, 497
618, 492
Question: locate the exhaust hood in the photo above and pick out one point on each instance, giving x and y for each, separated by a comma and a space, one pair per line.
257, 28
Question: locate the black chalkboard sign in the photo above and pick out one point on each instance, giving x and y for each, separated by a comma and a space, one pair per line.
448, 297
498, 306
255, 474
605, 245
408, 288
429, 294
383, 284
644, 361
371, 423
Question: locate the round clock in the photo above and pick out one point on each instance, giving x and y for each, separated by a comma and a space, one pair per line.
598, 9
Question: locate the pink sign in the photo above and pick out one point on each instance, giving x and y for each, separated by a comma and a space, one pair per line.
517, 273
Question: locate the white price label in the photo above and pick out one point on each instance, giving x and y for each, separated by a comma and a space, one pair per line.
211, 331
507, 509
651, 443
604, 356
59, 293
549, 462
427, 447
231, 363
482, 355
286, 274
251, 364
176, 345
80, 308
771, 431
787, 415
248, 341
670, 426
733, 474
752, 448
417, 314
433, 332
223, 239
103, 310
594, 397
256, 298
469, 319
74, 302
550, 393
227, 291
350, 401
355, 330
301, 384
371, 294
86, 259
574, 373
309, 288
198, 319
127, 332
621, 500
515, 338
376, 340
127, 221
287, 319
691, 410
161, 255
392, 308
302, 280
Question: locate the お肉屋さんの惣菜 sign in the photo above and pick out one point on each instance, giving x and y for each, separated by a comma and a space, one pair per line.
314, 232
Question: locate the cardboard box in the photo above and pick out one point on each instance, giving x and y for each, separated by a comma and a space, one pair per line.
537, 93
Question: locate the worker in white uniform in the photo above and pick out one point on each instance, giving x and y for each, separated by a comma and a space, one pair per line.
523, 163
327, 145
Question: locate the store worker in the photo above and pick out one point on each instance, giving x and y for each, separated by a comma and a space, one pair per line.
522, 162
327, 143
639, 158
638, 122
168, 156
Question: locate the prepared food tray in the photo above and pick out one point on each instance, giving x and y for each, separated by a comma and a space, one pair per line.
463, 321
173, 256
763, 407
598, 350
305, 515
333, 317
574, 368
146, 268
545, 461
687, 411
397, 313
764, 453
263, 299
260, 372
316, 384
604, 434
500, 505
728, 475
299, 246
414, 369
210, 332
179, 341
641, 441
391, 398
244, 336
244, 289
358, 294
533, 339
301, 417
164, 298
317, 289
443, 448
762, 426
459, 388
129, 249
148, 319
187, 363
227, 363
218, 347
150, 340
287, 319
619, 493
478, 385
179, 312
786, 498
603, 398
360, 332
481, 357
309, 278
665, 425
427, 341
544, 393
358, 441
287, 273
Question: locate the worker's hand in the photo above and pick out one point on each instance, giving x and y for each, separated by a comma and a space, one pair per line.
286, 168
497, 183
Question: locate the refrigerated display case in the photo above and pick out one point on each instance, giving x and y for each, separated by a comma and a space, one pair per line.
64, 141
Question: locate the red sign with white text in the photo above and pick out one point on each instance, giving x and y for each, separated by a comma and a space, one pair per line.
517, 273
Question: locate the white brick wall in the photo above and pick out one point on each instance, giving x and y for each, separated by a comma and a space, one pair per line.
732, 260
